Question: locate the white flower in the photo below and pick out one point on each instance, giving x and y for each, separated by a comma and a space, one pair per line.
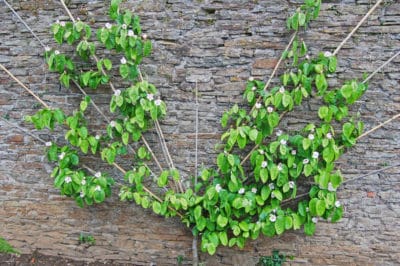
123, 60
47, 49
218, 188
124, 26
97, 137
157, 102
282, 89
83, 182
108, 26
294, 152
264, 164
272, 217
270, 109
272, 196
150, 97
314, 220
280, 167
113, 123
306, 161
117, 92
261, 151
258, 105
307, 209
48, 144
271, 185
329, 136
310, 136
308, 57
315, 155
144, 36
131, 33
283, 141
82, 195
98, 188
61, 156
328, 54
337, 204
279, 132
330, 187
251, 78
291, 184
57, 21
62, 23
294, 166
68, 179
241, 191
56, 52
253, 88
254, 190
97, 174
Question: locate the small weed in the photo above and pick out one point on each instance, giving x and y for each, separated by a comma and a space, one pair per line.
87, 239
5, 247
275, 259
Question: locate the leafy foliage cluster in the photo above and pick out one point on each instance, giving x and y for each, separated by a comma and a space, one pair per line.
238, 198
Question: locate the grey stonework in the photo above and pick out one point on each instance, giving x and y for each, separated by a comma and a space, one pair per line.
218, 45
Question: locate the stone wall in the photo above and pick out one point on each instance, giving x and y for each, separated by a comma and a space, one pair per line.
216, 44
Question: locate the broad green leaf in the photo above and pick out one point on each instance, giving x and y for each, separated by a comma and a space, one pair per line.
309, 228
320, 207
223, 238
323, 112
197, 212
253, 134
222, 221
156, 207
280, 225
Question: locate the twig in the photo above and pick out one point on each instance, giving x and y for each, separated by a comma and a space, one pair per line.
380, 67
23, 22
23, 86
195, 261
378, 126
357, 26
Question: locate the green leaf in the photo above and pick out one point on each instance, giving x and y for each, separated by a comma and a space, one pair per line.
296, 221
265, 192
147, 47
142, 152
332, 64
124, 70
231, 159
321, 83
264, 175
223, 238
320, 207
84, 146
107, 63
222, 221
287, 100
280, 225
346, 91
328, 154
309, 228
288, 222
278, 194
99, 196
125, 138
156, 207
253, 134
197, 212
337, 214
323, 111
201, 223
306, 143
163, 179
244, 226
211, 249
302, 19
348, 129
